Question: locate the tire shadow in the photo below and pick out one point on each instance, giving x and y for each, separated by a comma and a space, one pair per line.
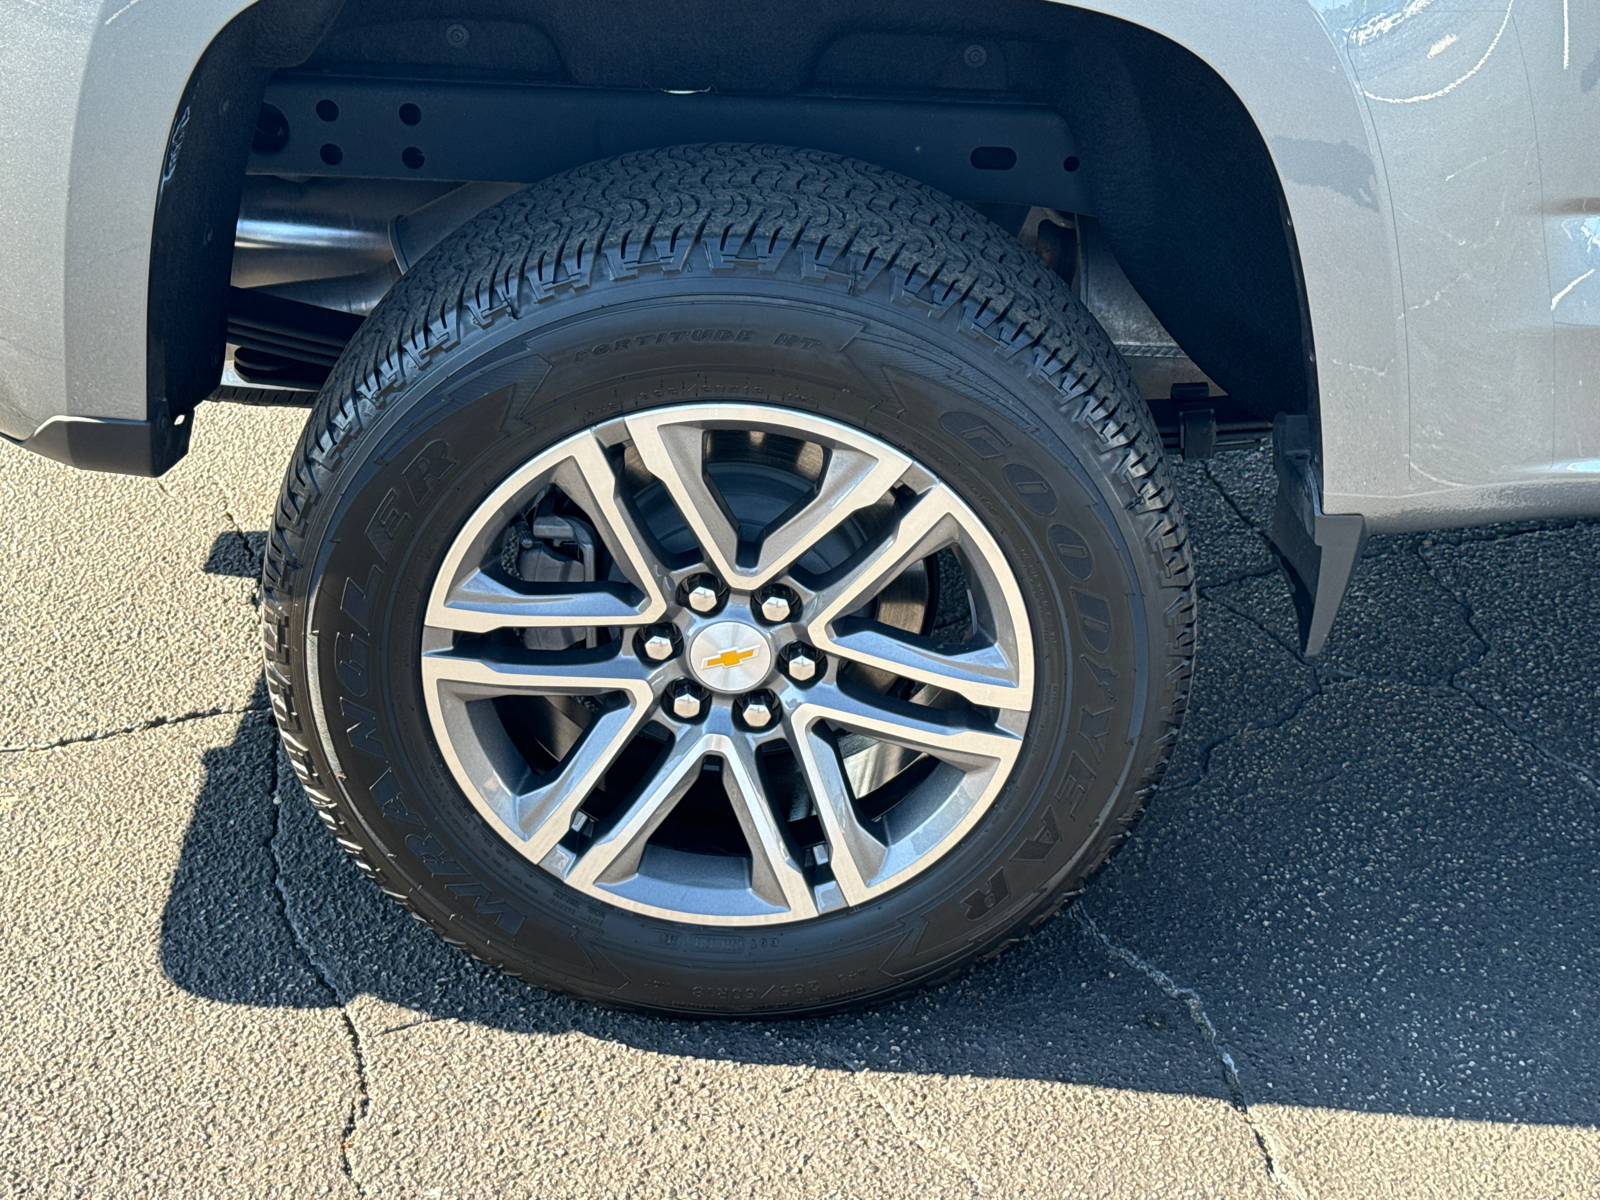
1383, 894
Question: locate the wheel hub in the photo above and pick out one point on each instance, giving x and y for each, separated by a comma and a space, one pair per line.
730, 657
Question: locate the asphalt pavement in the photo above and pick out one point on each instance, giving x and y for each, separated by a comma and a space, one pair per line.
1349, 952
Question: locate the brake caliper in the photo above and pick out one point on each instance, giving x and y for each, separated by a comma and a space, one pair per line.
552, 551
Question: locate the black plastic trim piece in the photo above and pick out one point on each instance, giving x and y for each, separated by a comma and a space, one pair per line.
146, 448
197, 206
1318, 550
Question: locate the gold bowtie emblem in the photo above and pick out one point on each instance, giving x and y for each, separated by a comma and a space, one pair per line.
729, 658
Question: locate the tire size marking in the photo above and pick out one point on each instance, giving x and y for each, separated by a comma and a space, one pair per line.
724, 993
806, 987
591, 915
717, 943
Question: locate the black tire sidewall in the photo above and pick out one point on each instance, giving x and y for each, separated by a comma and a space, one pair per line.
968, 415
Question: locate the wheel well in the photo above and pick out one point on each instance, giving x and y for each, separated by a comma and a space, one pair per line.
1173, 168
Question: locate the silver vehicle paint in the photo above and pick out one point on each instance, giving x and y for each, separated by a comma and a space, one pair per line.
1435, 156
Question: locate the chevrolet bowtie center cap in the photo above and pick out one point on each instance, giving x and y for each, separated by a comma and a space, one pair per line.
730, 656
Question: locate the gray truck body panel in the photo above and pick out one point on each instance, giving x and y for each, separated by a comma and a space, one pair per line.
1436, 159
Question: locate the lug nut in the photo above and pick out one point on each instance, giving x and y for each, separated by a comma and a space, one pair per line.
686, 700
801, 663
758, 709
702, 593
659, 642
778, 604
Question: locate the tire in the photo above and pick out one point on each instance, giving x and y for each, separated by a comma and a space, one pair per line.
731, 289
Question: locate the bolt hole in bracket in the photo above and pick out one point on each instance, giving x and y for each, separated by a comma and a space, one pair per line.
984, 151
1318, 551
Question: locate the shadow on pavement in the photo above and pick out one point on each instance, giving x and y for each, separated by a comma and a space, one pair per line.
1380, 875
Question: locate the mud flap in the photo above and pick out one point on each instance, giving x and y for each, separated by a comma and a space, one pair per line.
1318, 551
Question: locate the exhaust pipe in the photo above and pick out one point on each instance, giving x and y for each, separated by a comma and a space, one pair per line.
341, 244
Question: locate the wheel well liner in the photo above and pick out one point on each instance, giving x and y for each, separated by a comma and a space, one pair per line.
1191, 204
197, 201
1181, 181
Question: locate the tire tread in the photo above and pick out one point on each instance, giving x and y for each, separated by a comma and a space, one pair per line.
848, 225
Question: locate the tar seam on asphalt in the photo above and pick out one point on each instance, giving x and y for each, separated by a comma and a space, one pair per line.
1190, 999
142, 727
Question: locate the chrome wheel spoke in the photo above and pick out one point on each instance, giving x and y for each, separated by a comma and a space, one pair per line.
947, 734
589, 479
983, 675
480, 677
863, 865
996, 672
614, 856
538, 815
480, 603
468, 599
774, 874
672, 447
543, 814
927, 525
856, 856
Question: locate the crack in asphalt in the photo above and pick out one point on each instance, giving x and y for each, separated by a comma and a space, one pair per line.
859, 1073
1227, 498
1249, 618
1208, 593
1576, 770
238, 530
360, 1103
123, 731
1272, 1153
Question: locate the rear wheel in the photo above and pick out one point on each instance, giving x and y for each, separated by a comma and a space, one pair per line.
731, 580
